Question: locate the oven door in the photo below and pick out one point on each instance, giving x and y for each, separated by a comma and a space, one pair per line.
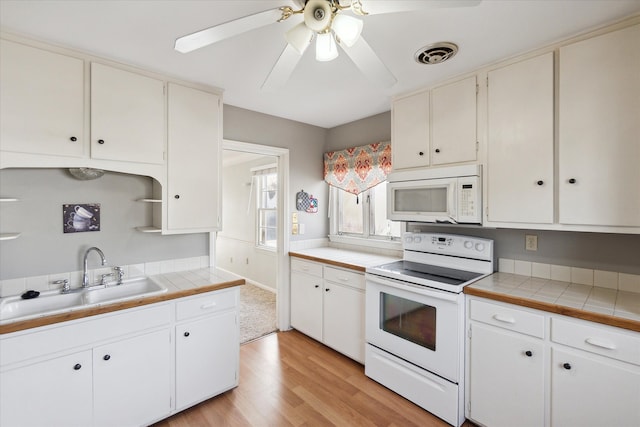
421, 325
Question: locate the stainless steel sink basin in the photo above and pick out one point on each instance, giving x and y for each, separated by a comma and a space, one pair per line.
53, 302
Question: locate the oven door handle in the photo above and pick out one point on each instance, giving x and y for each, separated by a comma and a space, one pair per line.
408, 287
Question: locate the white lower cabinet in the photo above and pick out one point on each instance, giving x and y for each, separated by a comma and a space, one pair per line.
327, 304
118, 369
529, 367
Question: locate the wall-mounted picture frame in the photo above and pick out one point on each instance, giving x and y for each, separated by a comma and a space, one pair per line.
80, 217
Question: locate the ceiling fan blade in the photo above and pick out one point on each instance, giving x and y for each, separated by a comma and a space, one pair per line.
283, 69
214, 34
373, 7
369, 63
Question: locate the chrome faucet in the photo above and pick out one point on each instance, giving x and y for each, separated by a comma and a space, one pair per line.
85, 273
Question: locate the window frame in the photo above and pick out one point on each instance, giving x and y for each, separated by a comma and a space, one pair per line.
260, 184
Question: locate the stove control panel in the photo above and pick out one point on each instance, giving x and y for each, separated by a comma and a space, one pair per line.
449, 244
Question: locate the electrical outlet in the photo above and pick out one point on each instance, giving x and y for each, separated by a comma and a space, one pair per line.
531, 242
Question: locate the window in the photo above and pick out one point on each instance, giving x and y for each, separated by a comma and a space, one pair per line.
267, 214
364, 215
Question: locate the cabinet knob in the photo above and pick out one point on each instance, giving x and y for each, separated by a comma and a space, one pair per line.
101, 141
316, 286
73, 139
77, 367
421, 153
106, 357
566, 366
528, 353
437, 150
540, 182
572, 181
186, 334
177, 196
327, 289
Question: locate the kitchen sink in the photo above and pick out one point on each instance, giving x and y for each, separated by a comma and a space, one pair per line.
53, 302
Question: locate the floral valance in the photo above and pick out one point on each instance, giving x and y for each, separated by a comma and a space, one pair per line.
359, 168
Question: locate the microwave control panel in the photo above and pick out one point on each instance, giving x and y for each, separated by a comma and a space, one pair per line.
468, 204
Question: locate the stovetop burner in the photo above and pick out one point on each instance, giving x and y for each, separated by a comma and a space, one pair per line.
434, 273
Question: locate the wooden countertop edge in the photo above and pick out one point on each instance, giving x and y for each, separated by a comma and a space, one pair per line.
632, 325
102, 309
328, 261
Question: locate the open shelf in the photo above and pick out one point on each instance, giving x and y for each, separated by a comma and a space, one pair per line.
148, 229
8, 199
9, 236
150, 200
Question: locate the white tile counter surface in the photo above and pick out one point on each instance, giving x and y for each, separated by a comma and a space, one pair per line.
609, 306
354, 260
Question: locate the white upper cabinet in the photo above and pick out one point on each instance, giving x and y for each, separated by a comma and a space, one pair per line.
599, 130
520, 141
193, 174
41, 101
127, 116
410, 131
453, 122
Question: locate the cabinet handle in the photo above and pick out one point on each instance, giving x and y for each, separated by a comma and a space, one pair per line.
421, 153
503, 319
101, 141
566, 366
528, 353
73, 139
316, 286
207, 306
327, 289
77, 367
177, 196
106, 357
572, 181
186, 334
540, 182
598, 343
437, 150
343, 279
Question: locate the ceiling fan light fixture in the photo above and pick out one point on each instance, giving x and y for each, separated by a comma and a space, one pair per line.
326, 48
299, 37
317, 15
347, 28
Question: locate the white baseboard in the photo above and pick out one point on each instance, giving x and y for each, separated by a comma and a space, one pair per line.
248, 281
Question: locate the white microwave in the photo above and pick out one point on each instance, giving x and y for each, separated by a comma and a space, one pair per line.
449, 195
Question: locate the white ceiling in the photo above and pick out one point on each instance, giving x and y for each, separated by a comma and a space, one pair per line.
142, 33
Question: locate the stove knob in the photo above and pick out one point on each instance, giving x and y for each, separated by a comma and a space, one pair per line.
408, 239
479, 247
468, 244
417, 239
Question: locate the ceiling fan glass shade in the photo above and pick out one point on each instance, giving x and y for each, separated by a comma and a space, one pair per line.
347, 28
317, 15
326, 48
299, 37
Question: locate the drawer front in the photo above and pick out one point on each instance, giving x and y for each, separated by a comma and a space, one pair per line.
306, 267
603, 340
508, 318
344, 277
77, 333
207, 303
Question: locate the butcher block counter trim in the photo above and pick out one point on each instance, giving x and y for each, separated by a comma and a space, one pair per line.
108, 308
328, 261
605, 319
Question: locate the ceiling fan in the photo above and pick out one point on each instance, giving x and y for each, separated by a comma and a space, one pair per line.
330, 22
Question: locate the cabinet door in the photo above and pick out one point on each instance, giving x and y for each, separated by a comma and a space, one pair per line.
506, 385
207, 355
41, 101
343, 320
591, 391
306, 304
599, 147
131, 380
520, 142
127, 116
453, 122
410, 131
53, 393
193, 159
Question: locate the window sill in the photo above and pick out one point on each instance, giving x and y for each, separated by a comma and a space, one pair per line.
395, 245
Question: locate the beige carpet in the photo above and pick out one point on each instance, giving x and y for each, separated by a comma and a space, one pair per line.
257, 312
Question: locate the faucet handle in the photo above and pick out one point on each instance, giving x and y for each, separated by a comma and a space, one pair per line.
119, 274
65, 284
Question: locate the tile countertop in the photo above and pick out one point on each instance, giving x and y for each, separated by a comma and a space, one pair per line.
607, 306
179, 284
344, 258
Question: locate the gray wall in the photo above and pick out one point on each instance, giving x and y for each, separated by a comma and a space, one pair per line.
612, 252
43, 248
306, 147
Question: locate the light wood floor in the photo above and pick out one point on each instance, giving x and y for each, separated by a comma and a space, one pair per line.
288, 379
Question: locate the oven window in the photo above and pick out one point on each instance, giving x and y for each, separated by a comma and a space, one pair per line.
409, 320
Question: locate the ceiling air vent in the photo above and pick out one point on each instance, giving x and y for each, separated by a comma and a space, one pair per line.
436, 53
